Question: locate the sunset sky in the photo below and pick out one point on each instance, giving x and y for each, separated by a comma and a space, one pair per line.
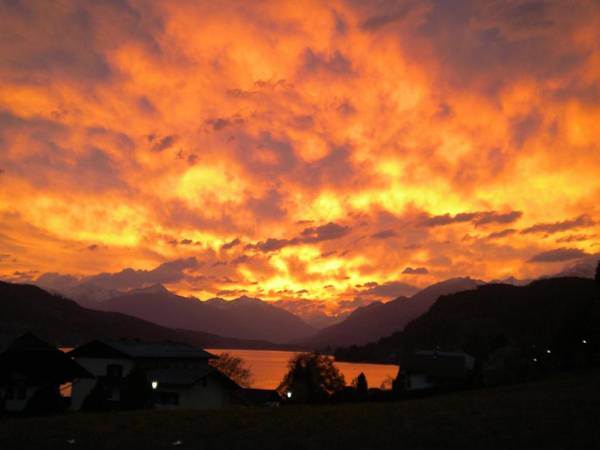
297, 150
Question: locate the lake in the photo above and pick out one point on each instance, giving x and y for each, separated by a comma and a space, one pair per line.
269, 366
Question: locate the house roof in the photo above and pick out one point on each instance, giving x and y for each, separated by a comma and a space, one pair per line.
437, 364
260, 396
35, 360
189, 377
139, 350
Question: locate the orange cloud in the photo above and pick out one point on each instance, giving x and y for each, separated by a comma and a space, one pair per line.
298, 152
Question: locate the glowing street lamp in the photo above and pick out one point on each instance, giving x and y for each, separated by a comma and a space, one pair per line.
288, 394
154, 384
584, 341
548, 351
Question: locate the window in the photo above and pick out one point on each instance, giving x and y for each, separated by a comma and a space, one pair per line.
114, 370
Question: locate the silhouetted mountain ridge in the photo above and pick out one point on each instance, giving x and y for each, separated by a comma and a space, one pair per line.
64, 322
243, 318
369, 323
547, 313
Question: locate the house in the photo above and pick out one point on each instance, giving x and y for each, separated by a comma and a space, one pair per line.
31, 374
134, 374
202, 388
260, 397
431, 369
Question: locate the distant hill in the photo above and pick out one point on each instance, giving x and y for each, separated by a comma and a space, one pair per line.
545, 313
243, 318
369, 323
63, 322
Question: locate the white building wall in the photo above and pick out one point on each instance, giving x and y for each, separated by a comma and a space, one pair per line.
97, 367
415, 382
18, 404
212, 396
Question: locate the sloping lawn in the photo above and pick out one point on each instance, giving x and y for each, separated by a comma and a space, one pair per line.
560, 413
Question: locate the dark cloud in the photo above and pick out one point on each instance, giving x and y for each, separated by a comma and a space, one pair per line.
556, 227
230, 244
240, 259
524, 126
575, 238
391, 289
162, 143
335, 63
415, 271
385, 234
346, 108
557, 255
477, 218
271, 245
324, 232
501, 234
146, 106
327, 232
219, 123
395, 13
270, 206
169, 272
71, 41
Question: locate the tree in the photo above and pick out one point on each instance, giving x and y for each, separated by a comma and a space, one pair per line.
597, 277
235, 368
361, 386
387, 383
311, 378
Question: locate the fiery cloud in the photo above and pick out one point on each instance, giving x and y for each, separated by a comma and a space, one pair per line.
297, 151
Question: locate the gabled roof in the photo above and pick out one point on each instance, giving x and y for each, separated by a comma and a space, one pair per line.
35, 360
132, 349
189, 377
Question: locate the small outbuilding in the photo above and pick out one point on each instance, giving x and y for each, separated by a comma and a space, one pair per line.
432, 369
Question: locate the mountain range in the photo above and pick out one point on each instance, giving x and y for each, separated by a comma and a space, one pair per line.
552, 313
242, 318
65, 323
369, 323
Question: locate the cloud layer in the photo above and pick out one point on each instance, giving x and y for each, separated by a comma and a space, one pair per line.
331, 151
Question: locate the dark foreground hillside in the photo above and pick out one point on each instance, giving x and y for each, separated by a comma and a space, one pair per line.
558, 413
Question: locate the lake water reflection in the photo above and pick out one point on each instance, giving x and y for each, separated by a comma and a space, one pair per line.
269, 366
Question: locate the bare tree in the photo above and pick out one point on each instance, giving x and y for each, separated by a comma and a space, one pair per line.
235, 368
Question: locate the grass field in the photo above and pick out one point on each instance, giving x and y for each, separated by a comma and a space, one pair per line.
558, 413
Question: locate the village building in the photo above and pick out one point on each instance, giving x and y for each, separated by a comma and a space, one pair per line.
161, 374
32, 373
432, 369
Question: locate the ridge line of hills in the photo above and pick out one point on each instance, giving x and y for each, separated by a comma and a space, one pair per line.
65, 323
